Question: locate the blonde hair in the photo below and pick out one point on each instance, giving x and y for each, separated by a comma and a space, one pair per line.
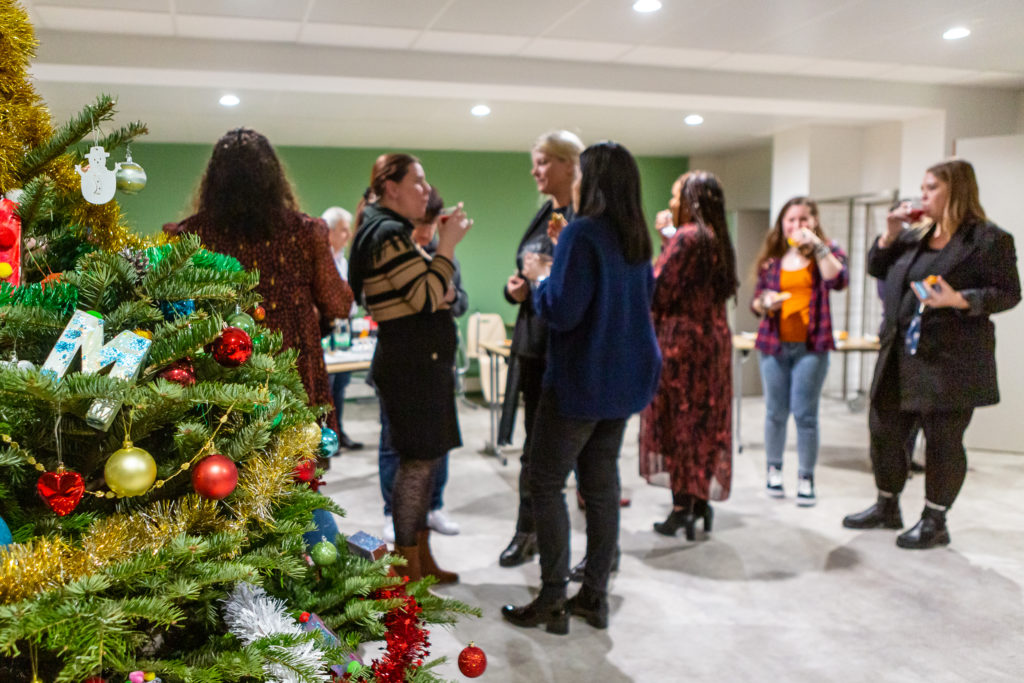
963, 203
560, 144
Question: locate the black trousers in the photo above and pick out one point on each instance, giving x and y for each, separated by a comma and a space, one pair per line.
945, 457
531, 376
558, 445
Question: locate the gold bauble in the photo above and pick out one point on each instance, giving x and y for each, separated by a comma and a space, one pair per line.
130, 471
312, 432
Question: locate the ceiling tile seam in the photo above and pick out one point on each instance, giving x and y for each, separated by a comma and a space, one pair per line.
553, 25
433, 20
305, 20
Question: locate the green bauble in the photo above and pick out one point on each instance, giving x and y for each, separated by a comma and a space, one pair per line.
131, 178
324, 553
242, 321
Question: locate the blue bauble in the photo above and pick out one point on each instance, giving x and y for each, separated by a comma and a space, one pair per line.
5, 534
177, 309
328, 442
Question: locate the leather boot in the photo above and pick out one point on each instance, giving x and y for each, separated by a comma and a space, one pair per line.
884, 513
522, 548
411, 553
927, 533
427, 564
548, 609
590, 605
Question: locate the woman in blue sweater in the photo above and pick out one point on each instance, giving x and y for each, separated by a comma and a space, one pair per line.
602, 366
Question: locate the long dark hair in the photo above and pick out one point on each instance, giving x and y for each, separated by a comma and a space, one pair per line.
244, 185
610, 188
702, 194
775, 244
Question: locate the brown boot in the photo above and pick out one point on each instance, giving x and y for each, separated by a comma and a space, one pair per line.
412, 569
427, 564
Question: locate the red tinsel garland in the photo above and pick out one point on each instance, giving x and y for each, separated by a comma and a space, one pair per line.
408, 644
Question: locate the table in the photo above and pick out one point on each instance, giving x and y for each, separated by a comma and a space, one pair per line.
494, 353
744, 344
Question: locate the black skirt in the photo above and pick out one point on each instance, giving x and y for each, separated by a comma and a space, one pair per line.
413, 370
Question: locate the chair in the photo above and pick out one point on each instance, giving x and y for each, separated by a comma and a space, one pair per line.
487, 328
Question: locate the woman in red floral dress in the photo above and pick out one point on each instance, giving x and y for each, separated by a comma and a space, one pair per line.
687, 429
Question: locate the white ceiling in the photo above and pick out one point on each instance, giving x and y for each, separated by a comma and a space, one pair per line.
404, 73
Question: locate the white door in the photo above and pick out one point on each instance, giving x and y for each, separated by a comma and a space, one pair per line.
999, 164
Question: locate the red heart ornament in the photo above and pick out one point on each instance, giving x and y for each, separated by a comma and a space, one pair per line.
61, 490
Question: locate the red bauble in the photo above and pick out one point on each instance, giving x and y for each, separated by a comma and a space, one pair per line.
472, 661
215, 477
305, 470
61, 490
232, 348
180, 372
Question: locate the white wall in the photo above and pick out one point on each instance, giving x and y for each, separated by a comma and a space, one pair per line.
880, 162
999, 164
791, 166
922, 144
746, 176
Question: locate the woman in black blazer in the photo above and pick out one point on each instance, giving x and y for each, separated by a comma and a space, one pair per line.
555, 166
937, 358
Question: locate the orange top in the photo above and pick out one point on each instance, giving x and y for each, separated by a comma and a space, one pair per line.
795, 314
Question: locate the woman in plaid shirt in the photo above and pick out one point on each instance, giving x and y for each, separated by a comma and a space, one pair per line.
796, 269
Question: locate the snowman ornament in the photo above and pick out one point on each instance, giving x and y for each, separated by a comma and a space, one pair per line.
98, 182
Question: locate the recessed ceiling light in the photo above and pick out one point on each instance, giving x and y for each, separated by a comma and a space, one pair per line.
647, 6
693, 120
956, 33
480, 110
229, 100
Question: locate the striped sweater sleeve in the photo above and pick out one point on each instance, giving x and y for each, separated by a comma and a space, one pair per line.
404, 280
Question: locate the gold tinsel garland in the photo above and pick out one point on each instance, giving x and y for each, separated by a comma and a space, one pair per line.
44, 564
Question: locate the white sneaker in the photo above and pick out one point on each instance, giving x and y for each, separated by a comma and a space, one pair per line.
439, 522
773, 487
805, 497
388, 532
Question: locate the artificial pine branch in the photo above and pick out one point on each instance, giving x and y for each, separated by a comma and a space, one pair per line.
70, 133
123, 135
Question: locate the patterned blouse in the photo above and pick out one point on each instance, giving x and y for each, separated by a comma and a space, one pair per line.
301, 289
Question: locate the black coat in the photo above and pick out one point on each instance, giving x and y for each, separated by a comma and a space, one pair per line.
530, 336
955, 365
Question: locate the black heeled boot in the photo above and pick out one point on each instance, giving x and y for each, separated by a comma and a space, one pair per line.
548, 609
702, 509
577, 572
927, 533
590, 605
677, 519
521, 549
884, 513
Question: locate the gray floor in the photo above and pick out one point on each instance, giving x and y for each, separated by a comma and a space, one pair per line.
776, 593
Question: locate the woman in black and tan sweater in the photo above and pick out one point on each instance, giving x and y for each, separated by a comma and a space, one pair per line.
408, 293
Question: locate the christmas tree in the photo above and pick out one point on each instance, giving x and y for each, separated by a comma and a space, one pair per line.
153, 494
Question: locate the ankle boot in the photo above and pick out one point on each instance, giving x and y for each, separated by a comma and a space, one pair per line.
576, 573
427, 564
927, 533
411, 553
884, 513
677, 519
521, 548
547, 609
590, 605
703, 509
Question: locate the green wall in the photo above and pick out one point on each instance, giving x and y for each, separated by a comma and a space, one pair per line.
496, 187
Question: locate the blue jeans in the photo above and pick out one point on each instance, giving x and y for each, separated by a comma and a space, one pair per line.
338, 382
792, 382
387, 466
